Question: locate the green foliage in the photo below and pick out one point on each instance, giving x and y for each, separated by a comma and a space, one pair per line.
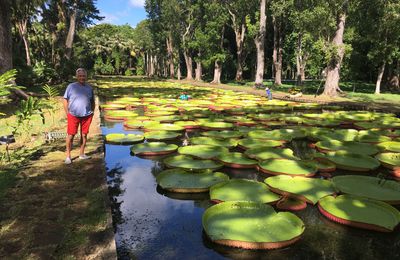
27, 109
140, 66
44, 73
128, 72
7, 83
51, 91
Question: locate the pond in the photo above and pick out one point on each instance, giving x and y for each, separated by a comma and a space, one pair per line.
151, 223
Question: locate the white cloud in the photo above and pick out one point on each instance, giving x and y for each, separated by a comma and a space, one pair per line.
108, 18
137, 3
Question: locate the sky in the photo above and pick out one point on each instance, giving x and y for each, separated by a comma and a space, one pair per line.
121, 11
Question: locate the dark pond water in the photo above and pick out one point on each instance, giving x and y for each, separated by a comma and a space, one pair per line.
152, 224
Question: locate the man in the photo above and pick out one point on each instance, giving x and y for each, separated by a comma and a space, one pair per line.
79, 106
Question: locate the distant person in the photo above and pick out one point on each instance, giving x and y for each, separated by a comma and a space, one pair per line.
79, 107
268, 93
184, 96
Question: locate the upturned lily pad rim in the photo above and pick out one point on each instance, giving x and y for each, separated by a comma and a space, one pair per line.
371, 226
246, 206
244, 183
386, 159
285, 162
177, 160
153, 148
229, 160
171, 173
123, 139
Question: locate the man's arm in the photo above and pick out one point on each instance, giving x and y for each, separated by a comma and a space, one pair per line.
65, 103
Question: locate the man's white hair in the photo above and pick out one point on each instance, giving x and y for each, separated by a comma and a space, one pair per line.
80, 70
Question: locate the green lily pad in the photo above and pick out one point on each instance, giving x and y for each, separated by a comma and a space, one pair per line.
164, 127
190, 163
270, 135
306, 189
360, 212
242, 190
223, 134
217, 125
229, 143
287, 167
369, 187
236, 160
352, 162
251, 225
112, 106
161, 135
203, 151
265, 153
390, 146
250, 143
351, 147
153, 148
188, 124
389, 160
340, 135
116, 138
372, 138
119, 114
138, 124
179, 180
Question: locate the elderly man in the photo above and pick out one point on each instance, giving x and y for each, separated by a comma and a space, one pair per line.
79, 106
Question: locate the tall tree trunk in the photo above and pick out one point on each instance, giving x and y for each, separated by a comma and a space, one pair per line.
333, 69
179, 69
199, 68
170, 51
239, 27
217, 73
71, 32
277, 52
5, 37
189, 65
379, 79
260, 42
300, 76
22, 28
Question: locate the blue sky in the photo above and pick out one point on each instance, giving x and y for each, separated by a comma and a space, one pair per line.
121, 11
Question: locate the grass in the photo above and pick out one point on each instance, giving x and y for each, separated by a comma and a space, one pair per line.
7, 180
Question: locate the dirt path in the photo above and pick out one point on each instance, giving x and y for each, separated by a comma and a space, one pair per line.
345, 103
59, 211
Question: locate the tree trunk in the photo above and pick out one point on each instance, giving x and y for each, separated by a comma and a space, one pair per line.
260, 42
217, 73
199, 68
22, 28
379, 79
299, 61
5, 38
277, 52
71, 32
179, 70
240, 34
189, 65
170, 51
333, 68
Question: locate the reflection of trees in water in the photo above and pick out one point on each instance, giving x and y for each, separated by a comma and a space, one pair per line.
114, 181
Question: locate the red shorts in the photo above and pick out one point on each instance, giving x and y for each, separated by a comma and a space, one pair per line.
74, 122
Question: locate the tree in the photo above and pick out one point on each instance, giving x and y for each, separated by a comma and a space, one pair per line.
337, 50
5, 39
259, 41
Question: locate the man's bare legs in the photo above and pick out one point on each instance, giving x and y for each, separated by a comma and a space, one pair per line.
83, 144
68, 143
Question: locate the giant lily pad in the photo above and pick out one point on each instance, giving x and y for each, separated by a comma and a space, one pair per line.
351, 161
236, 160
341, 135
389, 160
190, 163
305, 189
250, 143
359, 212
116, 138
369, 187
351, 147
223, 134
390, 146
264, 153
270, 135
179, 180
251, 225
214, 141
287, 167
372, 138
188, 124
216, 126
163, 127
161, 135
242, 190
154, 148
119, 114
203, 151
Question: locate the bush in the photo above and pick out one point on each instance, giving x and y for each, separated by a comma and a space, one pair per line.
44, 73
128, 72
